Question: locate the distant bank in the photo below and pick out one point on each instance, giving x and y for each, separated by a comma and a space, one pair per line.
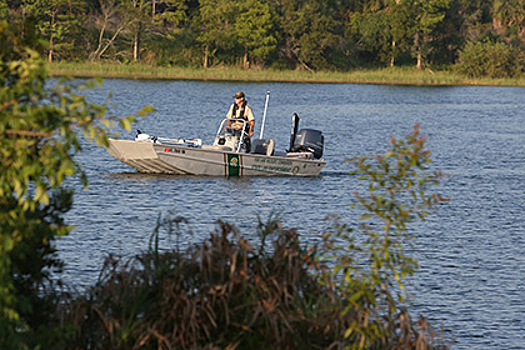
396, 76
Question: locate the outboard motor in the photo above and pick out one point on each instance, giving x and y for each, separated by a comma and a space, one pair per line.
309, 140
306, 140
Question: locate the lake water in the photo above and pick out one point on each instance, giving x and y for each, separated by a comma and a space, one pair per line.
471, 250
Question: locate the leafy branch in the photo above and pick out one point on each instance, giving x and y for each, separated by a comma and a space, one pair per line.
40, 130
371, 264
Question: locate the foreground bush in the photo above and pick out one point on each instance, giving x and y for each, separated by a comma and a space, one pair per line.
224, 292
227, 293
495, 60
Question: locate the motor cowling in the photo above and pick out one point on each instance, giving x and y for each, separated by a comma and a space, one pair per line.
309, 140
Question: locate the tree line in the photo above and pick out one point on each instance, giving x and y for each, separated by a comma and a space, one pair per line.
310, 34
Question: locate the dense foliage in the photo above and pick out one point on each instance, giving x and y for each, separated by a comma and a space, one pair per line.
495, 60
309, 34
39, 136
225, 293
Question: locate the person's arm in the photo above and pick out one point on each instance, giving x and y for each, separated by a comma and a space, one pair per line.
251, 120
229, 116
252, 125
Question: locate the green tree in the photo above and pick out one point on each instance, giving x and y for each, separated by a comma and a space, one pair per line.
215, 27
254, 31
448, 36
123, 21
509, 16
110, 20
169, 13
57, 21
40, 128
307, 31
476, 19
425, 16
382, 26
139, 23
397, 18
170, 34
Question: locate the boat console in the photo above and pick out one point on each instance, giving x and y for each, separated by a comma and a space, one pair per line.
304, 143
230, 134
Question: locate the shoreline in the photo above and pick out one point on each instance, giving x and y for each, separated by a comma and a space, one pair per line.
385, 76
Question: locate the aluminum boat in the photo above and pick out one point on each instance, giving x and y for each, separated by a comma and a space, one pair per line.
227, 156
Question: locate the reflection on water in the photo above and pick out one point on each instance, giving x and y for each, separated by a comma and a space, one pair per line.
470, 250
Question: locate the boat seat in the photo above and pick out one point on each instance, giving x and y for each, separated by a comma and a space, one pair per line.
264, 147
217, 147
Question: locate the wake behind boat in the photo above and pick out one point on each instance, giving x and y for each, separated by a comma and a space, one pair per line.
227, 156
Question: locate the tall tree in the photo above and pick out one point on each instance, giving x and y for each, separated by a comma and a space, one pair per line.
425, 15
56, 21
137, 12
110, 19
307, 31
476, 19
448, 36
382, 26
254, 30
216, 27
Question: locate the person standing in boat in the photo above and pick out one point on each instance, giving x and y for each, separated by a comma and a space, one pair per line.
241, 110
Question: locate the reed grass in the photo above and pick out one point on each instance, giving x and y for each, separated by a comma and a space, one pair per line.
227, 293
395, 76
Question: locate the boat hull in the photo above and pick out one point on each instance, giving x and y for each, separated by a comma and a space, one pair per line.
154, 158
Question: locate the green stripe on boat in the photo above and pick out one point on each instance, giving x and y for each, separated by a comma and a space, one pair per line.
233, 165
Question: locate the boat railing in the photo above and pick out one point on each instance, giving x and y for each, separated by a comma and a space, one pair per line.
227, 128
184, 142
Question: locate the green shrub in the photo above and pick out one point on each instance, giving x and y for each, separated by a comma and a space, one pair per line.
495, 60
370, 263
40, 127
224, 293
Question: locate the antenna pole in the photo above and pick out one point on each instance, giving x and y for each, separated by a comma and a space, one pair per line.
264, 115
